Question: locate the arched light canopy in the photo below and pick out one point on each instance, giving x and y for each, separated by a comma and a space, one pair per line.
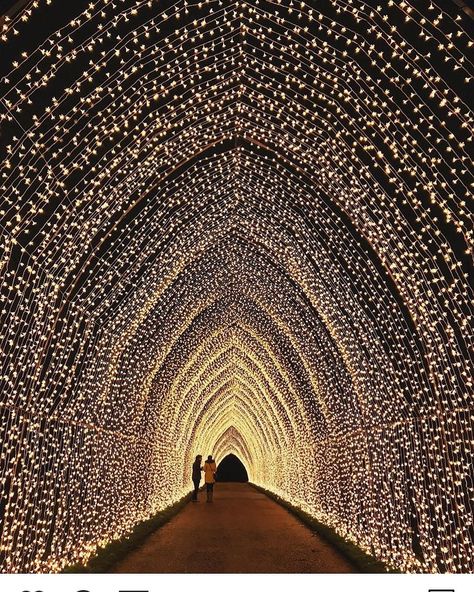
236, 227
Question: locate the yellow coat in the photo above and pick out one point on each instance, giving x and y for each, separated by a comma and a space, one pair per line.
209, 472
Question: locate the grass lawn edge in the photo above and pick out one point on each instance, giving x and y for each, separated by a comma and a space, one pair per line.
104, 560
359, 559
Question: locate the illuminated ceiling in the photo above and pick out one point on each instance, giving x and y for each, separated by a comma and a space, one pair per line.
236, 227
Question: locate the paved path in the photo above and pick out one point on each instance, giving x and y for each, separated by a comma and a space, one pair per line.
242, 531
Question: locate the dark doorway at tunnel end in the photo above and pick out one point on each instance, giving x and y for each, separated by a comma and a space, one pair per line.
231, 468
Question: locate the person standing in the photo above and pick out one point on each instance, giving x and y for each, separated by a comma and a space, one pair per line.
196, 476
210, 477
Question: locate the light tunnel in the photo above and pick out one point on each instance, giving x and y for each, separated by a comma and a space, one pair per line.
236, 227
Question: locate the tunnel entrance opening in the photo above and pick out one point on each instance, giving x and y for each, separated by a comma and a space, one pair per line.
231, 468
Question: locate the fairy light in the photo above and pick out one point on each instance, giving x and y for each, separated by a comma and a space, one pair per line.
236, 227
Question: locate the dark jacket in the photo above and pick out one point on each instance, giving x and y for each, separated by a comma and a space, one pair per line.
197, 470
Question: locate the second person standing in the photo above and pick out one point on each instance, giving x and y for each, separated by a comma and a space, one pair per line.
210, 476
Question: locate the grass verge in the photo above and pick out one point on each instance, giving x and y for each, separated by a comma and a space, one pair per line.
361, 561
107, 557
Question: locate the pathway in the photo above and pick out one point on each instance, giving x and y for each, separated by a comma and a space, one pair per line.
242, 531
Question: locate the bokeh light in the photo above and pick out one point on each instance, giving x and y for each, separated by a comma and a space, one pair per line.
242, 228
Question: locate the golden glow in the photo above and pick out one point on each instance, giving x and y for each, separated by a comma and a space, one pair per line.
236, 227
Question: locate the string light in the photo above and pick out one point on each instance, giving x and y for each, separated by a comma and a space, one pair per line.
236, 227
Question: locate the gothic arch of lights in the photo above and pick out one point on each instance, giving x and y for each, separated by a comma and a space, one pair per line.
236, 227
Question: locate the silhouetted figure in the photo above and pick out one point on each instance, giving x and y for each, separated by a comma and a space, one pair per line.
210, 477
196, 476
